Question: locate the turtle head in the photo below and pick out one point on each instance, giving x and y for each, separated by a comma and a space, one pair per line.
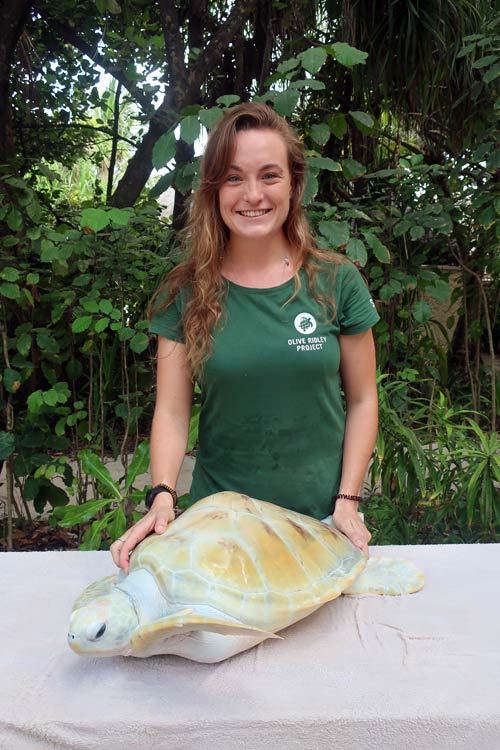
103, 627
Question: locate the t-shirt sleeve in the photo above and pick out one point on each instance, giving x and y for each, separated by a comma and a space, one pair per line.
168, 322
355, 307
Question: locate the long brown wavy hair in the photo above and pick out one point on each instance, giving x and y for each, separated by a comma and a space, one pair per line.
205, 236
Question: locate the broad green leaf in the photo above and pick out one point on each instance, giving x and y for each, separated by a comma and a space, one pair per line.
35, 401
466, 50
338, 125
487, 217
11, 380
139, 342
308, 83
320, 133
124, 333
417, 232
286, 101
94, 218
492, 73
227, 100
164, 150
210, 117
138, 465
47, 343
23, 344
81, 324
89, 305
75, 514
120, 216
439, 291
92, 464
7, 444
352, 169
336, 232
313, 59
422, 311
380, 251
11, 291
346, 55
493, 161
483, 62
401, 228
50, 397
363, 121
287, 65
15, 219
101, 325
392, 289
324, 162
105, 306
9, 274
356, 251
311, 188
163, 184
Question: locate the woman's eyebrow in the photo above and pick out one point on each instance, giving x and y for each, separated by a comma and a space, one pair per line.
272, 166
236, 168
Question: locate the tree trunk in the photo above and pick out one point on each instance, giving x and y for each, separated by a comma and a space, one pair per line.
13, 15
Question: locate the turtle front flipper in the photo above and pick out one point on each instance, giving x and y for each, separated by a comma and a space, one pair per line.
390, 577
153, 638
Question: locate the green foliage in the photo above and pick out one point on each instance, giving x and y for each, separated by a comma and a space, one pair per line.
112, 509
435, 472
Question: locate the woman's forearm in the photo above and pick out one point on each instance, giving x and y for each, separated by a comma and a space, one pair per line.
169, 437
359, 440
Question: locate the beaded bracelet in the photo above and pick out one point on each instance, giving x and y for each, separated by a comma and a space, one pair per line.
343, 496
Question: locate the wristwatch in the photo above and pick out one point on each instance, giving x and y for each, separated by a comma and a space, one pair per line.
154, 491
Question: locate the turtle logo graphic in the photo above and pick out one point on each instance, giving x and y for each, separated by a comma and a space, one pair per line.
305, 323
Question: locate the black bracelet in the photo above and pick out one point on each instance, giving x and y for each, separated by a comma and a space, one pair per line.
343, 496
154, 491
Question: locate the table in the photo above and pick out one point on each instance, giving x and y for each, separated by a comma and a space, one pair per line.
377, 673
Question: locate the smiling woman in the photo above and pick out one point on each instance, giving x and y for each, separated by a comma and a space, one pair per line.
273, 328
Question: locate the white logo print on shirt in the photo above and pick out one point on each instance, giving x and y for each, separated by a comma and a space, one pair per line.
305, 323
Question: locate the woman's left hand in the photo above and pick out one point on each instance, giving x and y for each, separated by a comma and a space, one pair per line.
347, 520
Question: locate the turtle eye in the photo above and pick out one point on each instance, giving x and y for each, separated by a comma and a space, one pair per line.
93, 634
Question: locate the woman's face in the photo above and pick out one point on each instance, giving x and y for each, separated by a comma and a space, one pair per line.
254, 199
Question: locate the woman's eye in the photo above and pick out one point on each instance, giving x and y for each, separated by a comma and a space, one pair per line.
271, 176
233, 178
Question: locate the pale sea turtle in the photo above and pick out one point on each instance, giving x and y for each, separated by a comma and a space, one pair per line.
227, 574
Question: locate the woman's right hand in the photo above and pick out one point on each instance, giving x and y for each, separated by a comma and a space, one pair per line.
156, 519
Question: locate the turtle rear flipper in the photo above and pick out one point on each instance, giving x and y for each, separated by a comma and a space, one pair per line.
390, 577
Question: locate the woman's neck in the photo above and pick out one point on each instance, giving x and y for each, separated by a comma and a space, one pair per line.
257, 264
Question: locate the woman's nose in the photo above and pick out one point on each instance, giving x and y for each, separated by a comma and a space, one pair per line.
253, 191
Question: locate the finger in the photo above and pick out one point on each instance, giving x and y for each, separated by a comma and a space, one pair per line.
361, 544
115, 552
162, 521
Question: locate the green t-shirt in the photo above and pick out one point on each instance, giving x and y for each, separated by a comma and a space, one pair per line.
272, 416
